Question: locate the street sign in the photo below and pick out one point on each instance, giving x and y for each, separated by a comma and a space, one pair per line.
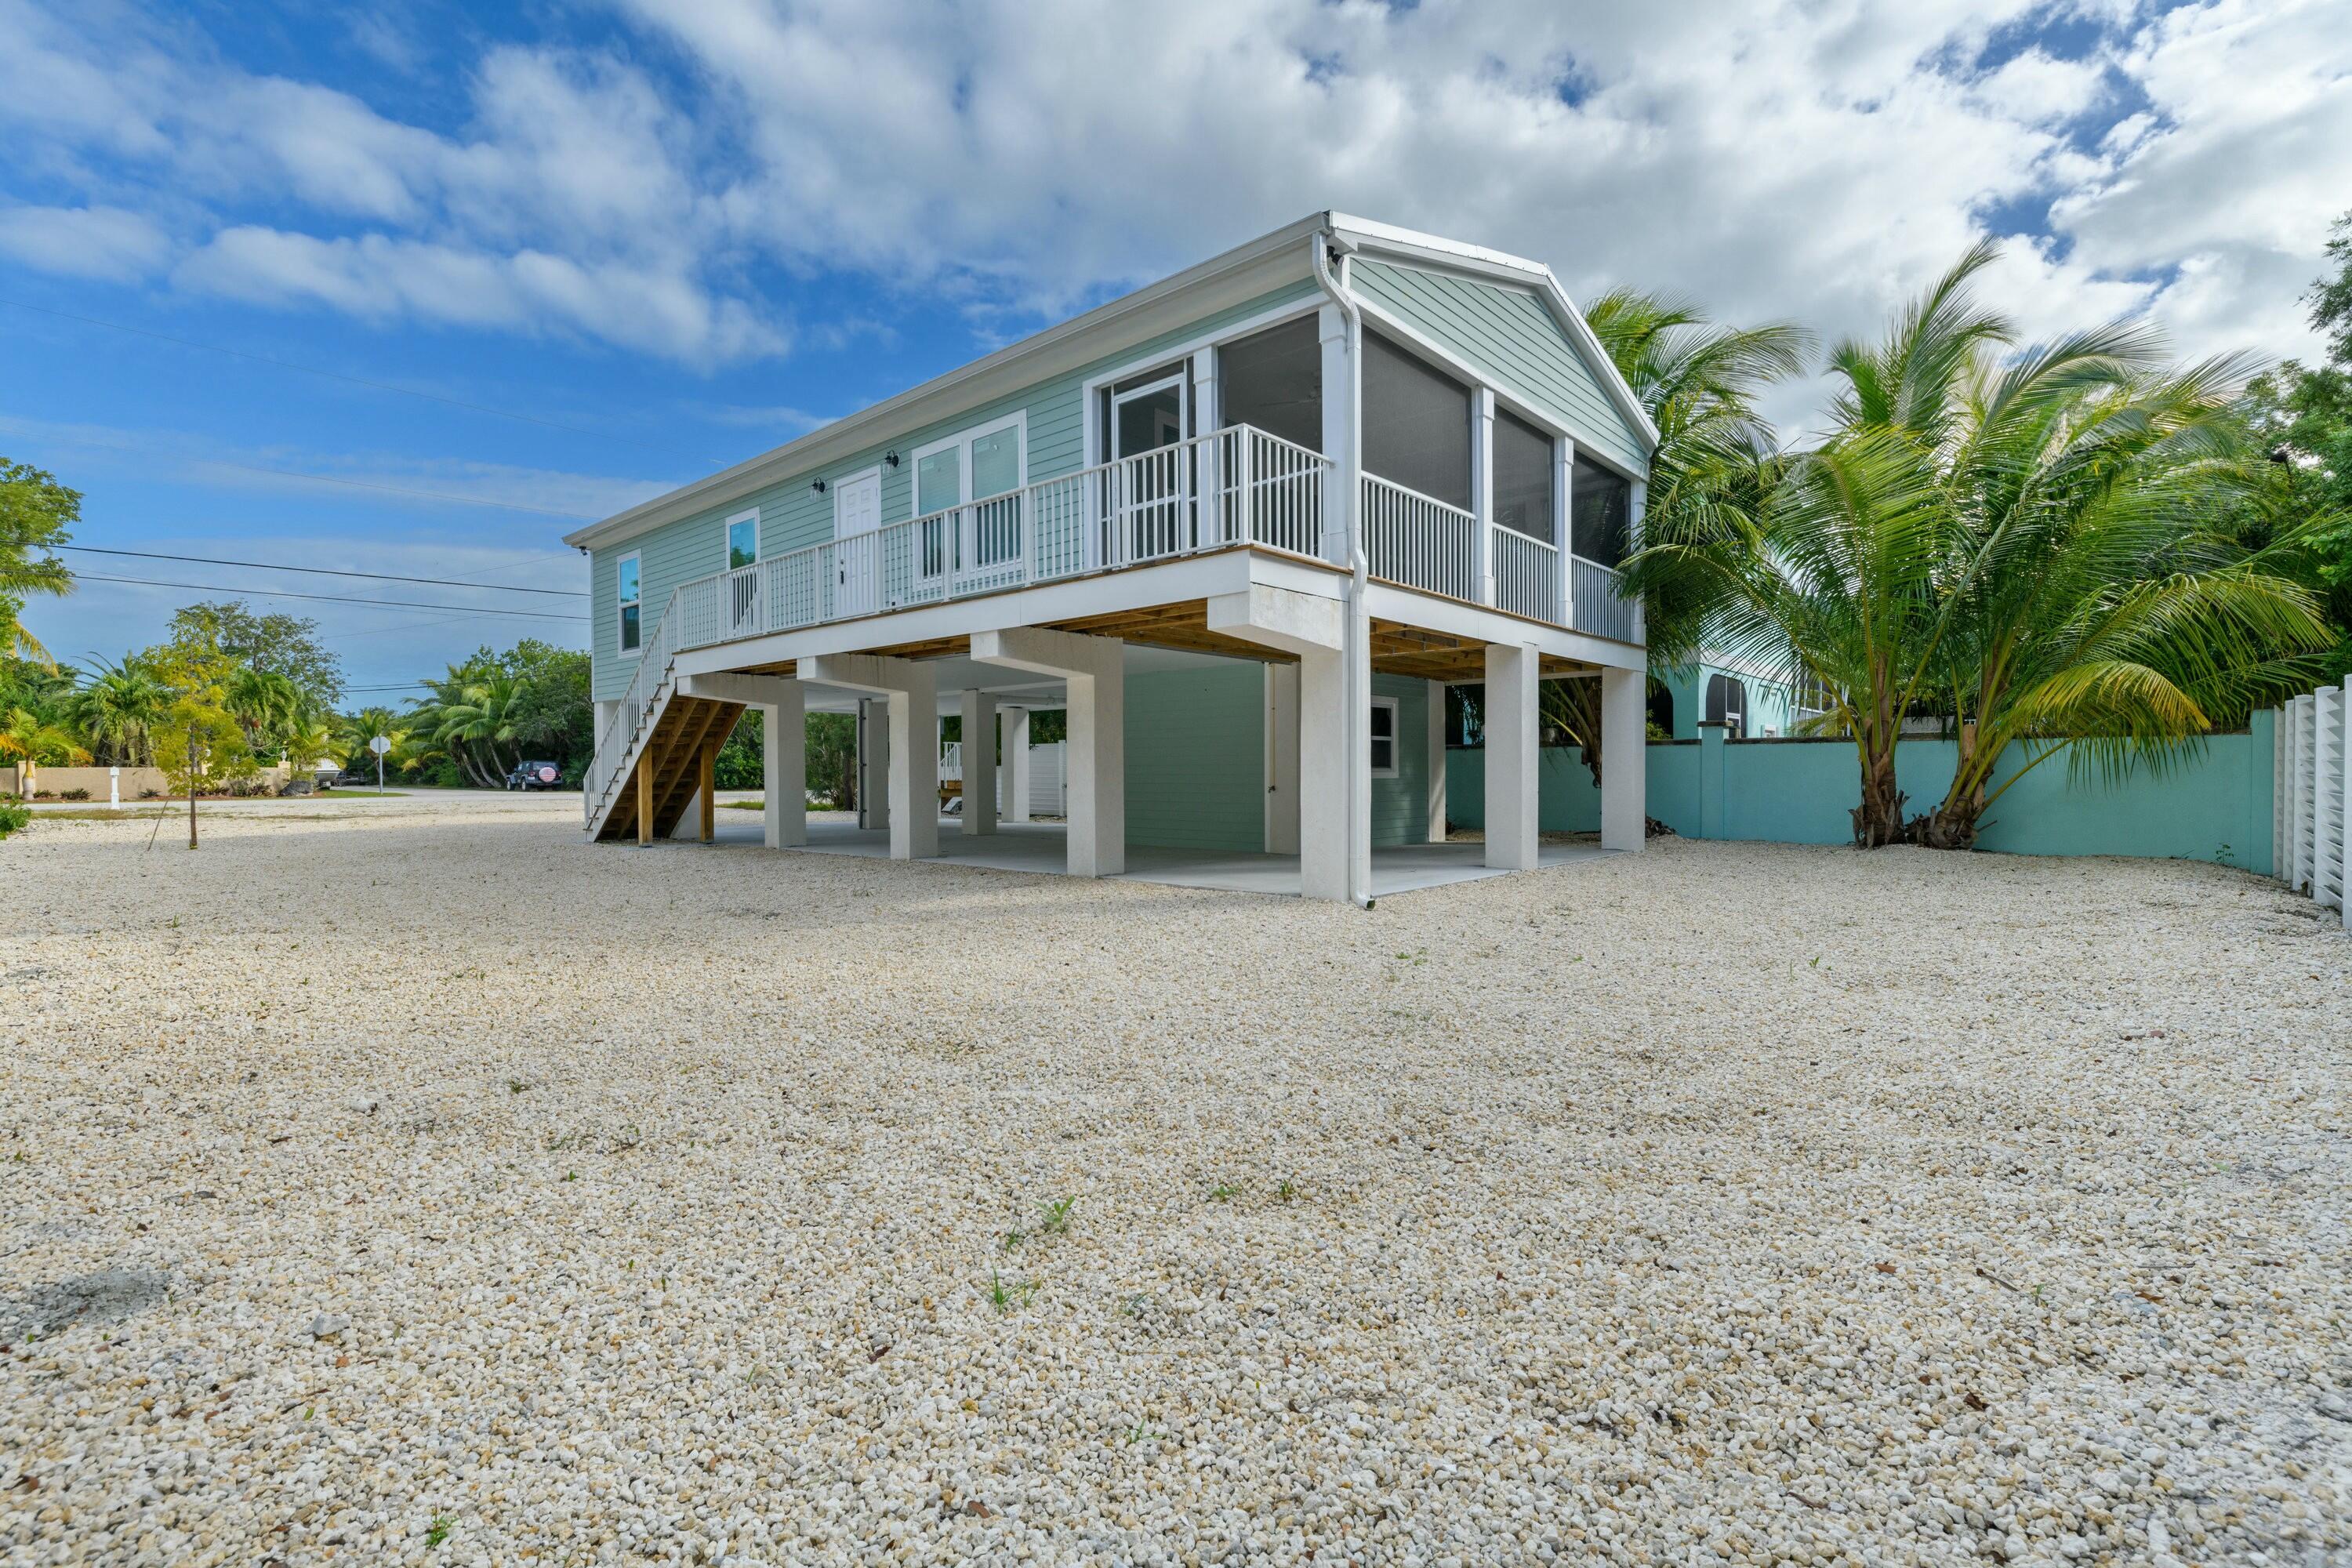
379, 745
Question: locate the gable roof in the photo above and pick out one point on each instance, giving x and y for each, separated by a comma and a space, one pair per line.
1243, 272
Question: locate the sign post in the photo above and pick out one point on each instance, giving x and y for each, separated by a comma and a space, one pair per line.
378, 746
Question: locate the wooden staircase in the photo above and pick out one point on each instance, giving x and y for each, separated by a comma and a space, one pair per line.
672, 764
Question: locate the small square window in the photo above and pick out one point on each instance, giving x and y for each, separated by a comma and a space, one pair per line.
1384, 737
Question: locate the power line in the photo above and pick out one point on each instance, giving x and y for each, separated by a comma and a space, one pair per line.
324, 571
333, 598
337, 375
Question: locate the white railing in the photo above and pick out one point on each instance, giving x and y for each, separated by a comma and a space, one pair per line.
1417, 541
1527, 574
1597, 601
1236, 485
2312, 796
950, 761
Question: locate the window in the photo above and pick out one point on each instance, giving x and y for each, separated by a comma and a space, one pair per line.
1384, 737
1416, 423
1727, 703
974, 466
631, 597
1600, 514
1523, 469
1274, 380
742, 540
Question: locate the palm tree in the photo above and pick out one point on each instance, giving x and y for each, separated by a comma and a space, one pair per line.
2106, 610
118, 708
353, 732
26, 736
1713, 465
266, 705
469, 714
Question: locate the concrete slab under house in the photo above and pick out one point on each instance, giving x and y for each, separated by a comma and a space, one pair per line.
1240, 530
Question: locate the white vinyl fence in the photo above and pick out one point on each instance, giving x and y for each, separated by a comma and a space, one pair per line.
1048, 779
2313, 797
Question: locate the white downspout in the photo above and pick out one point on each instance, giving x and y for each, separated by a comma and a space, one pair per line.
1354, 632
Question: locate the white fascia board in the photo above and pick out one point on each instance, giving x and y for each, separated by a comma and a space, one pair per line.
1222, 281
1430, 249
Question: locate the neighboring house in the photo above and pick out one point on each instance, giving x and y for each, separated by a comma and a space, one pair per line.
1721, 688
1244, 526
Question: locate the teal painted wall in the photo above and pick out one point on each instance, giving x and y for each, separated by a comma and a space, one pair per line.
2212, 805
1401, 804
791, 517
1510, 336
1196, 757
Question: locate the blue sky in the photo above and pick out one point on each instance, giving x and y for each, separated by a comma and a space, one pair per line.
671, 235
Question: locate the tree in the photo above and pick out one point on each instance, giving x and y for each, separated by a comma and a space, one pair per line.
1713, 467
116, 708
199, 740
36, 513
270, 707
285, 645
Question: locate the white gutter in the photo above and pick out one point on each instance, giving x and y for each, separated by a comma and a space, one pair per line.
1355, 632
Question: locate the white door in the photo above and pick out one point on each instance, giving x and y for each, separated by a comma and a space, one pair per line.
856, 555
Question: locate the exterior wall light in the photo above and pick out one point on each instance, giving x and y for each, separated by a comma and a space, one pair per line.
817, 488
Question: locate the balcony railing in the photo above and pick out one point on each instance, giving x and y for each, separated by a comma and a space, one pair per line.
1236, 485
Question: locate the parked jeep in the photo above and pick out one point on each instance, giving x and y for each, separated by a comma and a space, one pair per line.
533, 776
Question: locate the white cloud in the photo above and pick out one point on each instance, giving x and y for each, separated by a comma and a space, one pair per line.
1813, 159
85, 242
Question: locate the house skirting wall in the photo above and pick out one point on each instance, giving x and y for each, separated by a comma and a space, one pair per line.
1196, 759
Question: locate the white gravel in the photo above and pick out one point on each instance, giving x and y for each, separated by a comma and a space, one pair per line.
387, 1187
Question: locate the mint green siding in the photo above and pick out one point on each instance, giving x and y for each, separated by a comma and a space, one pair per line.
1196, 757
1401, 804
1769, 701
793, 517
1511, 336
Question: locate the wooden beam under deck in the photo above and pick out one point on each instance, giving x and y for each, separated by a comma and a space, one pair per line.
1398, 648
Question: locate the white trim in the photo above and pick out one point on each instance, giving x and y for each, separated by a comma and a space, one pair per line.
1395, 738
619, 604
1090, 390
1520, 402
727, 537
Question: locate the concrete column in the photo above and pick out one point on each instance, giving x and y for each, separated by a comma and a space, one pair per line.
1209, 511
1095, 670
979, 762
911, 692
873, 762
1436, 751
1511, 756
1282, 758
784, 770
1012, 795
1624, 758
1339, 393
1482, 495
1334, 727
1637, 507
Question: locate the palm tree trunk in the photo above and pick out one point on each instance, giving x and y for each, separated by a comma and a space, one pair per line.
1878, 820
1953, 824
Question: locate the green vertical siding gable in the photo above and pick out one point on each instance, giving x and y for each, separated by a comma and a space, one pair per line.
1510, 336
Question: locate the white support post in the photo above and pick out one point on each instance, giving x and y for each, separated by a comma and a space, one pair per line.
1339, 393
1331, 732
1095, 669
1208, 511
1482, 493
1636, 506
912, 690
1012, 797
1511, 732
1624, 758
1563, 520
979, 763
1436, 753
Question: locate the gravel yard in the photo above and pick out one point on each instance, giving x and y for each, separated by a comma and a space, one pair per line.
379, 1187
